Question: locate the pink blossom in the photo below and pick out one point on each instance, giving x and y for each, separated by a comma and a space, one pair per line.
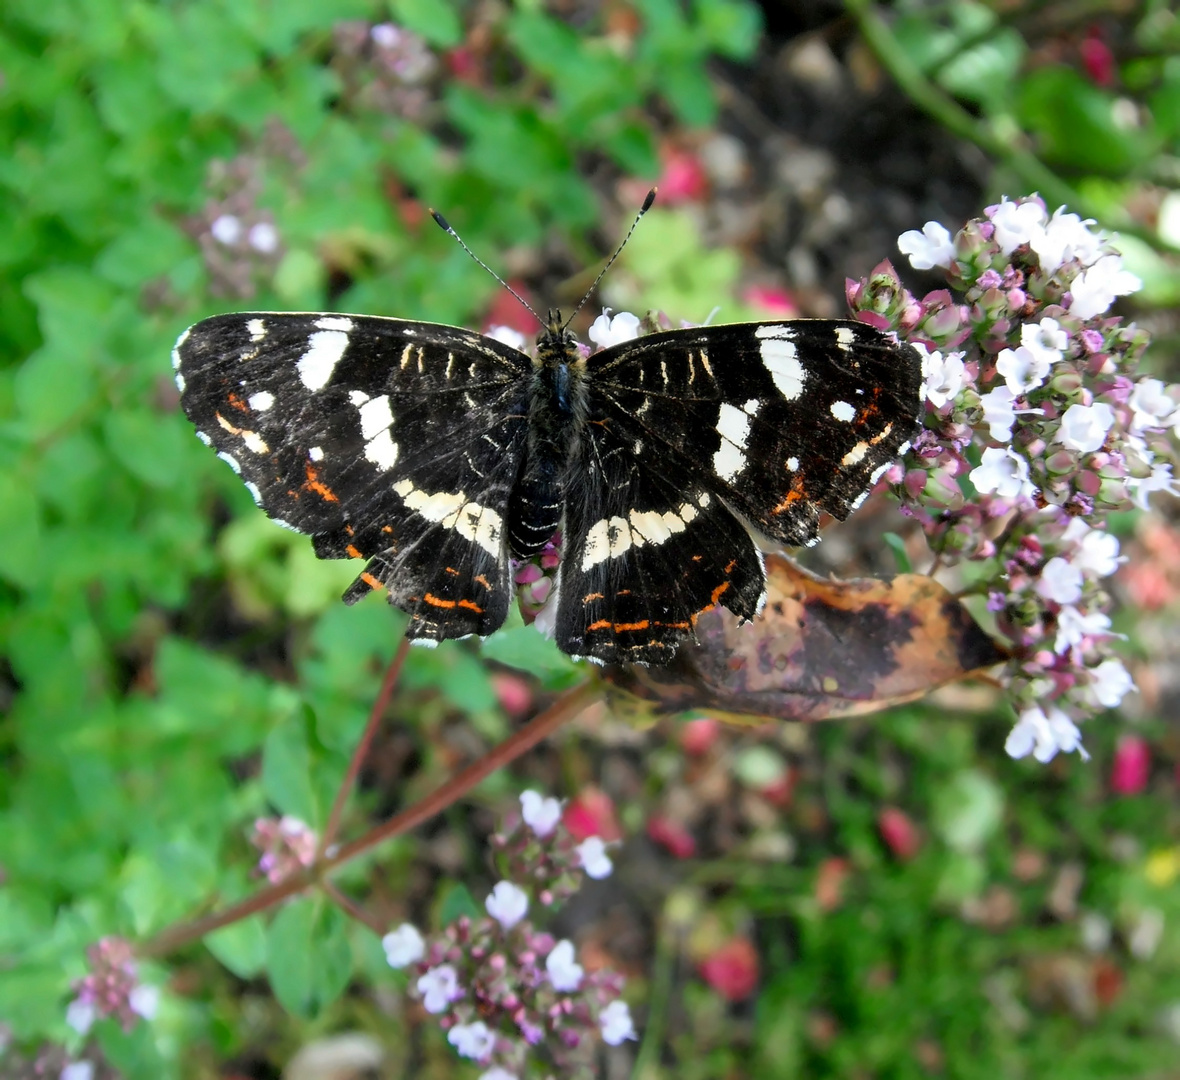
1060, 581
1131, 767
507, 904
616, 1024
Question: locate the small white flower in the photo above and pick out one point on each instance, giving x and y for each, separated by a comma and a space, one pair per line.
263, 237
931, 247
144, 1001
1002, 472
403, 946
439, 987
1044, 735
1045, 339
1065, 237
1000, 412
1097, 553
80, 1015
1023, 369
1084, 427
615, 1021
507, 336
78, 1070
507, 904
227, 229
1017, 223
592, 857
472, 1040
565, 973
498, 1074
386, 35
1159, 480
1110, 683
540, 814
943, 376
1060, 581
1151, 405
1094, 290
1073, 626
605, 331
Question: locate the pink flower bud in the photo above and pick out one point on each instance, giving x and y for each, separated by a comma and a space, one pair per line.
698, 736
673, 836
1131, 767
899, 833
732, 969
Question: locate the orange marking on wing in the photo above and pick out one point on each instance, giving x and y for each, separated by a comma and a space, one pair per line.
372, 582
471, 606
794, 495
350, 530
353, 553
730, 565
619, 627
452, 571
592, 596
238, 403
434, 601
482, 581
387, 528
717, 593
315, 484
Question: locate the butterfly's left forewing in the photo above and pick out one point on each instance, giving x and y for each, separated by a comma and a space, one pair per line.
783, 420
396, 442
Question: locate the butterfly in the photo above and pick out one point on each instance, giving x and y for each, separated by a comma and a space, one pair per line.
438, 456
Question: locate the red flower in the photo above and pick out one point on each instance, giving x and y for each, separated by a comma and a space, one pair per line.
732, 969
682, 178
1131, 767
672, 835
1097, 58
698, 736
591, 813
898, 832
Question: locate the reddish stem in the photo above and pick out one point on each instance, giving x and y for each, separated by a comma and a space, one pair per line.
392, 673
540, 727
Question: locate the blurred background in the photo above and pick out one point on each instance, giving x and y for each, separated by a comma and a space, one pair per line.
888, 897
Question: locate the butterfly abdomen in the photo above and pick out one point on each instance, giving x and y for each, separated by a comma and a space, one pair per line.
557, 409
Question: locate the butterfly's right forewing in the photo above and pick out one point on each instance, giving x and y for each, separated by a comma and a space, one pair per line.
393, 441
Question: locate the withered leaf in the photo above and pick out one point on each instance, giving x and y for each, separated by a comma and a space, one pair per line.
822, 649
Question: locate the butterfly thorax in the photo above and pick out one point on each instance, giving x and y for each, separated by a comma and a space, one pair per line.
557, 410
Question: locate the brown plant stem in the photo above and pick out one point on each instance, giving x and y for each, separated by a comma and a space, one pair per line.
539, 728
392, 673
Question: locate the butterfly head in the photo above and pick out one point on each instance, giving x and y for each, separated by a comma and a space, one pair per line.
555, 336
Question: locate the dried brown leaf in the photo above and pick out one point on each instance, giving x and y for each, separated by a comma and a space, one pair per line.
823, 648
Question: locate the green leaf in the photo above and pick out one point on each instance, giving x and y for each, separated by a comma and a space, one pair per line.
333, 956
290, 957
286, 769
897, 545
967, 810
21, 550
241, 946
457, 901
524, 647
436, 20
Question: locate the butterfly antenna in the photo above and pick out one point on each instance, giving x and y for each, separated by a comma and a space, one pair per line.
442, 223
651, 198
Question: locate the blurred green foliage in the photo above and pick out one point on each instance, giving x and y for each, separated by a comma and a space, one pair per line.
174, 665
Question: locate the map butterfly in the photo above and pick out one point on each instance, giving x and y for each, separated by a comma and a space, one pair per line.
438, 455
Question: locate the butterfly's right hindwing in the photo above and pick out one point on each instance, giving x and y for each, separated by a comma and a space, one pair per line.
388, 440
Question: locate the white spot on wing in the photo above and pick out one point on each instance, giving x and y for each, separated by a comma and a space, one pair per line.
257, 329
316, 453
176, 348
728, 461
261, 401
733, 426
381, 450
255, 442
845, 337
879, 471
375, 416
231, 461
180, 382
357, 397
324, 349
255, 494
204, 438
752, 406
793, 463
479, 524
606, 539
841, 410
423, 642
334, 322
787, 373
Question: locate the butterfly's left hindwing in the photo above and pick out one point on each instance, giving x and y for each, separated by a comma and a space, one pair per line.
393, 441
